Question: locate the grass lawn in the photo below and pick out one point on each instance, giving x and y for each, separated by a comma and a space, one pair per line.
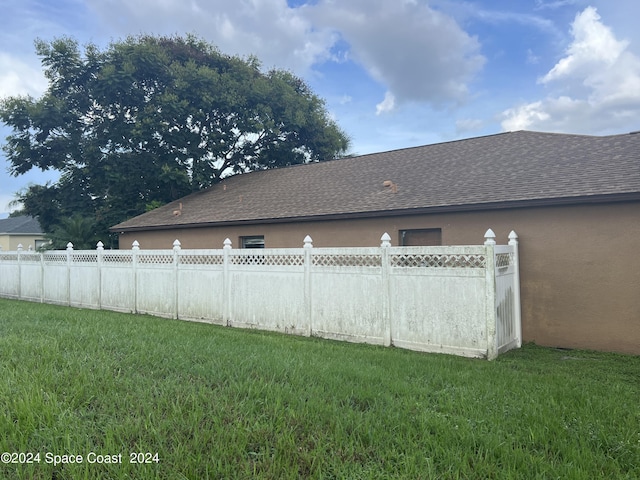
215, 402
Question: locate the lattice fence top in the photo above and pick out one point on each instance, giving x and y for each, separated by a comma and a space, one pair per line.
439, 260
266, 259
33, 257
504, 259
460, 257
347, 260
84, 257
118, 258
55, 258
195, 259
155, 258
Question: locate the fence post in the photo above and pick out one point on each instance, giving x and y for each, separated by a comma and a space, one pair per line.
19, 254
226, 283
135, 246
69, 254
42, 276
513, 241
490, 298
386, 290
308, 301
176, 253
100, 250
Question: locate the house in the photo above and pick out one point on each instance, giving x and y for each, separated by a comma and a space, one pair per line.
574, 201
22, 230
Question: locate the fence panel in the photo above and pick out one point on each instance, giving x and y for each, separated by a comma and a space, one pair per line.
118, 281
200, 285
55, 278
31, 276
9, 275
266, 289
507, 301
346, 294
156, 282
84, 279
445, 285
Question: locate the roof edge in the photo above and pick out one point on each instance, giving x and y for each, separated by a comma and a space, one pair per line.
543, 202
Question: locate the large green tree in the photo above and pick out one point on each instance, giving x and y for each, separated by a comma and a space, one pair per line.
150, 119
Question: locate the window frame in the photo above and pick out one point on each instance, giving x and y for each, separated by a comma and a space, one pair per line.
402, 235
252, 241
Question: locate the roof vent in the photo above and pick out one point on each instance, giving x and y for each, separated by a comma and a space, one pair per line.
389, 184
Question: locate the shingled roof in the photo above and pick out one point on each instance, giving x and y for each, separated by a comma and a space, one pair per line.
22, 225
496, 171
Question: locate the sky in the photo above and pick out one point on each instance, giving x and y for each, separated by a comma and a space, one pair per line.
393, 73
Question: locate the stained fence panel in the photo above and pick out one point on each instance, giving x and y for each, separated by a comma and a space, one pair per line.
156, 283
200, 285
84, 279
56, 278
347, 294
506, 301
266, 289
437, 297
9, 275
118, 281
31, 276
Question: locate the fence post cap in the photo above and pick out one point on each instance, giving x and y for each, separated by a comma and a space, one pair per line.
69, 246
135, 245
176, 244
20, 247
489, 237
513, 238
100, 246
308, 242
385, 239
227, 243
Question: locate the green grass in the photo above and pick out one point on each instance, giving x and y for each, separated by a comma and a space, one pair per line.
217, 402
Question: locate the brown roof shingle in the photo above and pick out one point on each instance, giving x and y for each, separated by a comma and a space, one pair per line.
484, 172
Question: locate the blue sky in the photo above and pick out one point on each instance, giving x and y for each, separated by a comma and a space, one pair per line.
394, 73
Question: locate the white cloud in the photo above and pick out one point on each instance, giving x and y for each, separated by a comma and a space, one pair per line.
387, 105
597, 85
594, 46
417, 53
19, 78
541, 5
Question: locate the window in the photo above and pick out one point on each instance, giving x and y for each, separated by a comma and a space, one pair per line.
421, 237
255, 241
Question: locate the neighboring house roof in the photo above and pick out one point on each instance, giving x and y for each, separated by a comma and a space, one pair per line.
510, 169
23, 225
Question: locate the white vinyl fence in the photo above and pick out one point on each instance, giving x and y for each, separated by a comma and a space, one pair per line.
463, 300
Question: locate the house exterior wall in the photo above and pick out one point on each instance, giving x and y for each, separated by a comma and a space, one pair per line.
580, 265
11, 242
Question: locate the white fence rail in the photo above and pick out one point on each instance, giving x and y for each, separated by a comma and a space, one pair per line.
462, 300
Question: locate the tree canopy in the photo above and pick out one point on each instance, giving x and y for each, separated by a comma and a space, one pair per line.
150, 119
